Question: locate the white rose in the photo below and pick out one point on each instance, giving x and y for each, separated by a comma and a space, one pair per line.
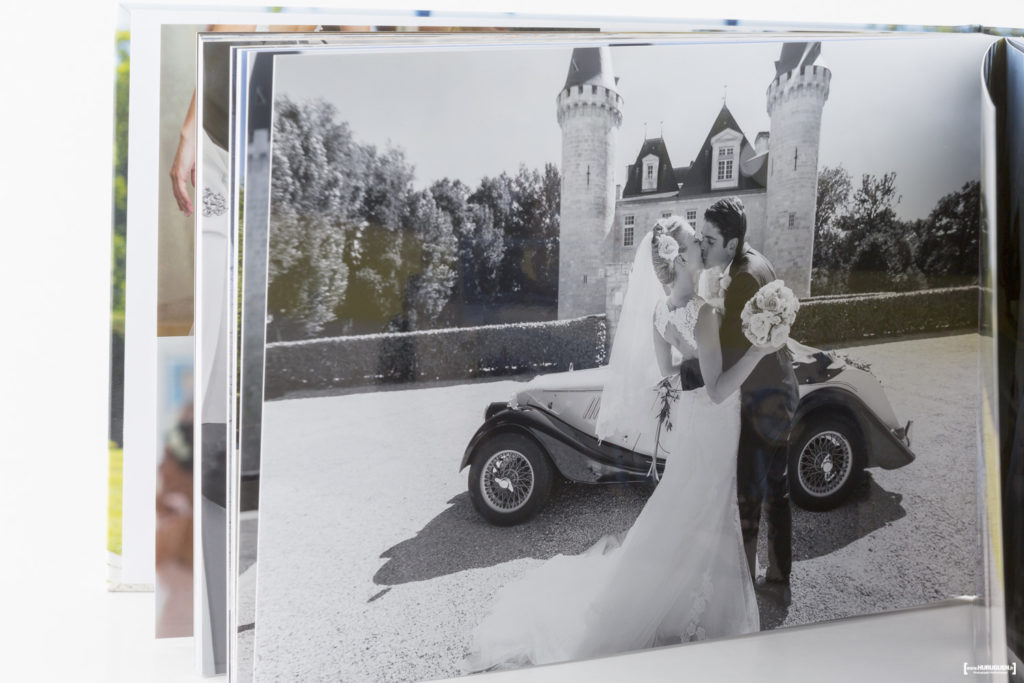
668, 248
759, 326
779, 334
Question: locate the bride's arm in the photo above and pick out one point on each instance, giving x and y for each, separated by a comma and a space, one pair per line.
720, 385
663, 353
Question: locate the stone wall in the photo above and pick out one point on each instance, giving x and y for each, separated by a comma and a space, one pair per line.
795, 102
589, 117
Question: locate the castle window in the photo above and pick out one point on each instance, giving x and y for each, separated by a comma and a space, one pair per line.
724, 170
666, 214
593, 90
691, 218
580, 91
725, 150
627, 236
650, 173
792, 220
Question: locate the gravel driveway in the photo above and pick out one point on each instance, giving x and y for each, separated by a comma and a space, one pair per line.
373, 564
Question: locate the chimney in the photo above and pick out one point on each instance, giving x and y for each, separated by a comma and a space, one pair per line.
761, 142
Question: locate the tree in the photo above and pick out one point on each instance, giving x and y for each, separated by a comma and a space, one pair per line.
355, 248
882, 255
874, 202
834, 188
119, 248
317, 190
948, 249
430, 258
860, 244
494, 199
828, 275
480, 245
523, 209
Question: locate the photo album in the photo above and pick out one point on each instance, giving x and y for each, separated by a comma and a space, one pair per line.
569, 347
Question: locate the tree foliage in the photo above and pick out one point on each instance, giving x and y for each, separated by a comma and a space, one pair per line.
948, 239
861, 245
355, 248
118, 253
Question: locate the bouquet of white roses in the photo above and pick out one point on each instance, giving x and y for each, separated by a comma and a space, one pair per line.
769, 315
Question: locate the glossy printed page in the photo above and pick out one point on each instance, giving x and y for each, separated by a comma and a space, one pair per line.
449, 239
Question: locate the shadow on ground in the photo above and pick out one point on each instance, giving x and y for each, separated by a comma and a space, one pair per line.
459, 538
870, 508
578, 515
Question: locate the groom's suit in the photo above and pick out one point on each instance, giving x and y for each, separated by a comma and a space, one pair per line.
768, 401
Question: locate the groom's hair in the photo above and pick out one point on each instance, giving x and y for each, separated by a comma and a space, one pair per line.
729, 216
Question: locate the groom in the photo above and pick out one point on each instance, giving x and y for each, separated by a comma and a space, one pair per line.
768, 397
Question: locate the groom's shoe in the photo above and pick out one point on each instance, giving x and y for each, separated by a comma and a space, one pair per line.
777, 589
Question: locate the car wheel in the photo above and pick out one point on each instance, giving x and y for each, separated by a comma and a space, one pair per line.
826, 460
510, 479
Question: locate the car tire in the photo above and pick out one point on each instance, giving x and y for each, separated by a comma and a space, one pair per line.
826, 460
510, 479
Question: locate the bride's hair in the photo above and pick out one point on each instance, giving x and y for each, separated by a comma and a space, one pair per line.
665, 232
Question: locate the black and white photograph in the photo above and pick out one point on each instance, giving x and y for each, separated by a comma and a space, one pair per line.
586, 349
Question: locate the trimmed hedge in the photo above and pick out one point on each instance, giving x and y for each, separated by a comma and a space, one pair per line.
832, 319
496, 350
457, 353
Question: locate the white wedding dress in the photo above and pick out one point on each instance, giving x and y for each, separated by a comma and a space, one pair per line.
679, 575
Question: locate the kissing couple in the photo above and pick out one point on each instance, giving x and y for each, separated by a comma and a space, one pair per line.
685, 569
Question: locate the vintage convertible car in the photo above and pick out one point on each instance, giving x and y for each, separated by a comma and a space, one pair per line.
843, 424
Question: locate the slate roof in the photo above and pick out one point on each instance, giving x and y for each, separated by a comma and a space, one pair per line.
695, 179
794, 55
590, 66
666, 174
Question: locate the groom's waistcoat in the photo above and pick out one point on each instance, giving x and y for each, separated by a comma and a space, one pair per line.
769, 395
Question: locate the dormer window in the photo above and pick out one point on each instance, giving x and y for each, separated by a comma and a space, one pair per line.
725, 167
650, 173
725, 153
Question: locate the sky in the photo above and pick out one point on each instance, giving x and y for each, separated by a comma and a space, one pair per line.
908, 104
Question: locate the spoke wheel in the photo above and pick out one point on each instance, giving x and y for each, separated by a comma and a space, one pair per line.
825, 462
510, 479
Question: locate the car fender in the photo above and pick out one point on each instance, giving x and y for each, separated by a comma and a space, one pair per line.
575, 454
885, 447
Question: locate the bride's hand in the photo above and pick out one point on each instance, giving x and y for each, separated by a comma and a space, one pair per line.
768, 349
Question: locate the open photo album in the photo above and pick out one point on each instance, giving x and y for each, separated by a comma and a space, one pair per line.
580, 350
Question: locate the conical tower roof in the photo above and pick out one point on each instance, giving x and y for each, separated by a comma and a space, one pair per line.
590, 66
794, 55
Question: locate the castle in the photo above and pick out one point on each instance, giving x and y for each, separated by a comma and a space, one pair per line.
775, 177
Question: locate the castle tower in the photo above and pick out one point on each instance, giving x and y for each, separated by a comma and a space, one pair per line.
589, 113
795, 101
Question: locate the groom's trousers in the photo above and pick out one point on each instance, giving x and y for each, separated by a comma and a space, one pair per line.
761, 483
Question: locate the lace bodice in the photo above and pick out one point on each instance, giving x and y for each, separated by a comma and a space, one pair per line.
683, 319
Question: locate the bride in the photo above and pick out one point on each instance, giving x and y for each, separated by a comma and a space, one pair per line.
680, 574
